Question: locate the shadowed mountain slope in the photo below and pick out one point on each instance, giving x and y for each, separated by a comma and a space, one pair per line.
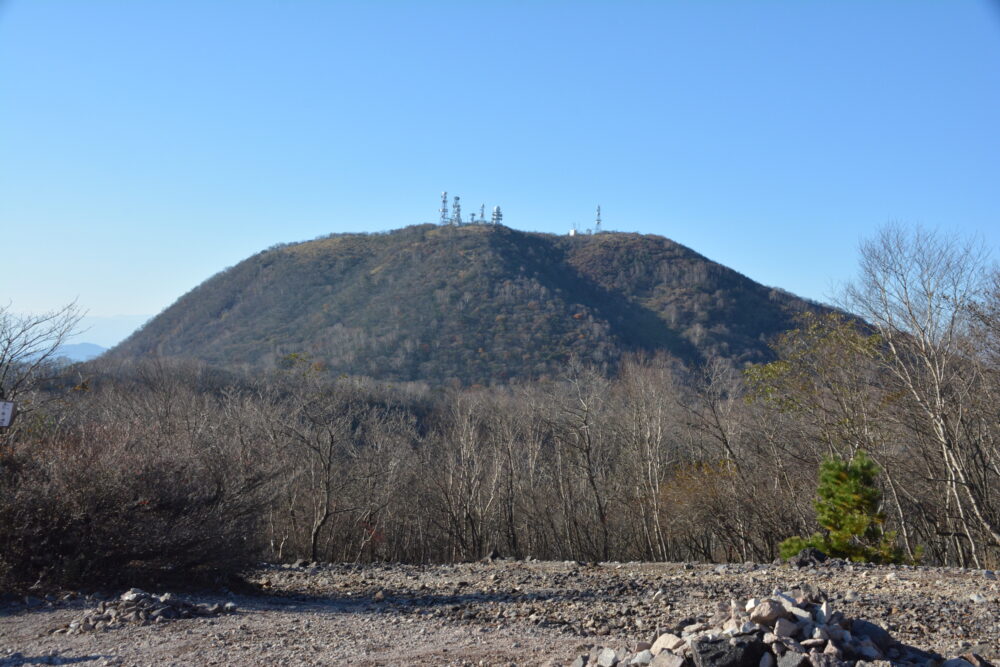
476, 304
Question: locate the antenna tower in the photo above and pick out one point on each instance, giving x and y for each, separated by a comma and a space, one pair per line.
482, 213
444, 208
597, 224
456, 212
497, 216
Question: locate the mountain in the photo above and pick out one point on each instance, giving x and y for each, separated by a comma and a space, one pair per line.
469, 304
80, 351
109, 330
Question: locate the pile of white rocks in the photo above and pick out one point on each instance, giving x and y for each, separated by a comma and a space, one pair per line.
137, 607
786, 629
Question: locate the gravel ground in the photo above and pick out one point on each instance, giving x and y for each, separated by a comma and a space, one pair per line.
498, 613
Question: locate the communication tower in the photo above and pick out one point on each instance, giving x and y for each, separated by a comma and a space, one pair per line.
444, 208
597, 223
497, 216
482, 213
456, 212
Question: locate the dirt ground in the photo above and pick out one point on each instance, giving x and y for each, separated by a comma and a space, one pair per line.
496, 613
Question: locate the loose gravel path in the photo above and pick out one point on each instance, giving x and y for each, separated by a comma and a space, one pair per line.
499, 613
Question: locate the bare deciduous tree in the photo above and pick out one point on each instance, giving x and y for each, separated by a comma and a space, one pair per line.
28, 343
918, 288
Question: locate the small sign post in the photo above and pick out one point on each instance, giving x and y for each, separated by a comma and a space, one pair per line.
8, 411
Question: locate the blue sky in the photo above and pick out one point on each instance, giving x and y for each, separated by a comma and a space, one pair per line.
145, 145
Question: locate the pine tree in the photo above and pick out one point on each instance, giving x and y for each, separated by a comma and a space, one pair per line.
847, 508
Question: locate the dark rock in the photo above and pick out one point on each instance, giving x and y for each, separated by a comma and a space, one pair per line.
683, 623
739, 651
918, 656
976, 660
808, 556
825, 660
881, 638
956, 662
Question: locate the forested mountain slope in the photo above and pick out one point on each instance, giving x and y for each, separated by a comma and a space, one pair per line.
472, 304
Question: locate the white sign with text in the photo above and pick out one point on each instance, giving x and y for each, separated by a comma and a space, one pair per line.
7, 413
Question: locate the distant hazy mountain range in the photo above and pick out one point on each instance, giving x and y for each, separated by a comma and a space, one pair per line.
109, 330
80, 351
472, 304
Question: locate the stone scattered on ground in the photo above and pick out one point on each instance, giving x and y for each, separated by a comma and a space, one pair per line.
508, 612
797, 628
138, 607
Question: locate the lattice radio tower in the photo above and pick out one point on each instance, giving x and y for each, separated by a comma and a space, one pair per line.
597, 223
444, 208
497, 216
456, 212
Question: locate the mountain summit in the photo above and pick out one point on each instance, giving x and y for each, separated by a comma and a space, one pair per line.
474, 303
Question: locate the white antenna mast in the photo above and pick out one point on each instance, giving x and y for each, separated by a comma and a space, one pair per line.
597, 224
444, 208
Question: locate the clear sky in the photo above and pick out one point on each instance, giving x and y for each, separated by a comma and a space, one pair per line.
145, 145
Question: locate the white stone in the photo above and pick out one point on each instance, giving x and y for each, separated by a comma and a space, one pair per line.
133, 594
607, 657
666, 642
693, 628
786, 601
642, 658
667, 659
785, 628
823, 613
768, 611
801, 613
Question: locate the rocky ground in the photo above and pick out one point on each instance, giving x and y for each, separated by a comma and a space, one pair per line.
489, 613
